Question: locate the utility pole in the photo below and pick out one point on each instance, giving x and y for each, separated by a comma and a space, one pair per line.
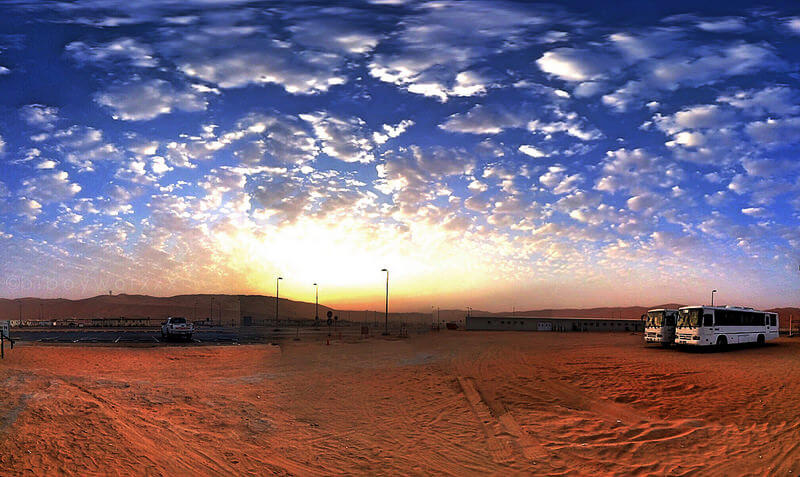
386, 316
316, 302
277, 297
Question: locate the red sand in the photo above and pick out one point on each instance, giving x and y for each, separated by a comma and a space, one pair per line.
455, 403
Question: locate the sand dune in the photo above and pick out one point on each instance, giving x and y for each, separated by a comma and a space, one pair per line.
446, 404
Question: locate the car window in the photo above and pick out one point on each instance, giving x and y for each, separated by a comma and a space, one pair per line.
179, 321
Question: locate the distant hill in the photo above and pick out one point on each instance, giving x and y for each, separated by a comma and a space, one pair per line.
228, 309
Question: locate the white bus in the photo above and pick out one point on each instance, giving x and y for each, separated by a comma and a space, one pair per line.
721, 326
659, 326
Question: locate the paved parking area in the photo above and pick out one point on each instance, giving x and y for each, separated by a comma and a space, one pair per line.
221, 335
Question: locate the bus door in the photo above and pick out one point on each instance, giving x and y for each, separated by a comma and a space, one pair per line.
668, 328
707, 331
768, 322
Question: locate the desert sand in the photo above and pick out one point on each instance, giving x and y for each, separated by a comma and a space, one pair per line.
454, 403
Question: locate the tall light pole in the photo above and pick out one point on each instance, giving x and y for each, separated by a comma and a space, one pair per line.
712, 296
386, 316
277, 290
316, 302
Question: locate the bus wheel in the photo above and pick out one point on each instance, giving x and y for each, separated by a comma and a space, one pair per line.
760, 340
722, 343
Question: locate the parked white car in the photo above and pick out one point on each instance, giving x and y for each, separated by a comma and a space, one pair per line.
177, 327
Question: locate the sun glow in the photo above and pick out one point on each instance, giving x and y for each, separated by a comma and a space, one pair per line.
346, 259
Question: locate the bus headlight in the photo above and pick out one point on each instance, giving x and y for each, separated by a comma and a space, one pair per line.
695, 337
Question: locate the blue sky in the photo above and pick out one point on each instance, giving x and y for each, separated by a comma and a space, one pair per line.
490, 154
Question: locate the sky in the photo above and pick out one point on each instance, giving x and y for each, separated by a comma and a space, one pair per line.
488, 154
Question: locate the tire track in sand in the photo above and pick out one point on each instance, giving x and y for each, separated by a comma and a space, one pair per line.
503, 432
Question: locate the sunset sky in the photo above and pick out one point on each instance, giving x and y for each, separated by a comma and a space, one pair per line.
489, 154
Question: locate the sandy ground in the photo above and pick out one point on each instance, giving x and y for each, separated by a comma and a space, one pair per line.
458, 403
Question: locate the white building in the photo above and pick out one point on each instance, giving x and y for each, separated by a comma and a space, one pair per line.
531, 323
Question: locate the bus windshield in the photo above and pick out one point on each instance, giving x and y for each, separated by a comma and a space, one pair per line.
690, 318
654, 319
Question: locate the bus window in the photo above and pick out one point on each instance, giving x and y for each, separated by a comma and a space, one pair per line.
708, 320
773, 321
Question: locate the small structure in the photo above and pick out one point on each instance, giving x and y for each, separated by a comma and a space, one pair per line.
119, 322
533, 323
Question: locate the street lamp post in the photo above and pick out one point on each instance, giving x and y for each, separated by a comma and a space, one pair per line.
712, 296
316, 302
386, 316
277, 297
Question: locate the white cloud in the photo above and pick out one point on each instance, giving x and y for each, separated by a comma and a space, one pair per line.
754, 211
261, 62
432, 55
483, 120
570, 64
50, 187
344, 139
775, 132
558, 181
390, 131
569, 123
647, 45
531, 151
123, 50
636, 170
82, 146
143, 100
773, 100
589, 88
27, 207
641, 202
621, 99
47, 164
412, 175
793, 24
712, 66
336, 34
718, 25
694, 117
39, 115
282, 139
